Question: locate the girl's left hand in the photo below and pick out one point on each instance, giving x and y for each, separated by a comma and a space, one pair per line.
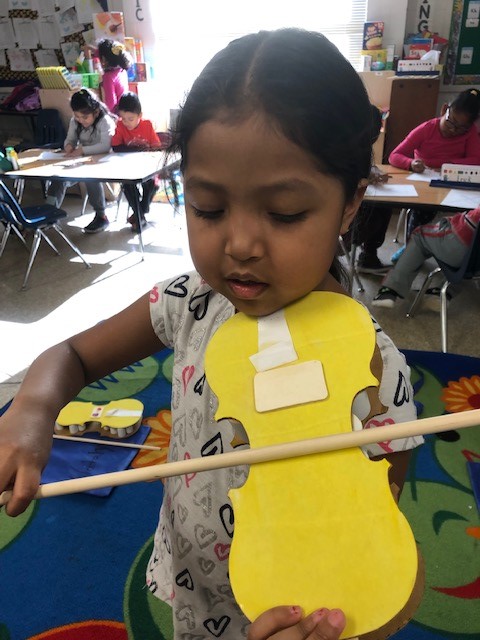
288, 623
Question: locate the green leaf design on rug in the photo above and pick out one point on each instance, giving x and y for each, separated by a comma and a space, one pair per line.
453, 456
442, 519
11, 528
124, 383
143, 612
429, 391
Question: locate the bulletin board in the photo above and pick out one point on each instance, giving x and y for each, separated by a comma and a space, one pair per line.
463, 59
57, 29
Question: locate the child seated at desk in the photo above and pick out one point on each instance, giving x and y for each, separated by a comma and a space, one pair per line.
134, 133
448, 240
451, 138
90, 132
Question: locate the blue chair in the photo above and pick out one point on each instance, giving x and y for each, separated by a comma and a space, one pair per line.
468, 270
38, 219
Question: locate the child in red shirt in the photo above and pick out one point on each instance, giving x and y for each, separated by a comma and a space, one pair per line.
133, 133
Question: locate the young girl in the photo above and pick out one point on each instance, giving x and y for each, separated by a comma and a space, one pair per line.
90, 132
275, 139
115, 61
134, 133
451, 138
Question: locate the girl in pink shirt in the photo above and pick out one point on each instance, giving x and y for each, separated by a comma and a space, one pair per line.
450, 138
115, 61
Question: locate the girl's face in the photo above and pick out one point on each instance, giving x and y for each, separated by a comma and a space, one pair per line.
86, 119
263, 221
454, 123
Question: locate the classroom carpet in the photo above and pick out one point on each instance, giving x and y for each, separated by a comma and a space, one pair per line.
72, 567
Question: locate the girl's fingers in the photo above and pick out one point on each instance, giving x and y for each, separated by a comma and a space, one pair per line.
272, 621
24, 490
330, 626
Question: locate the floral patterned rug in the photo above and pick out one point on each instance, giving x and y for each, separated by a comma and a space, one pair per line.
72, 568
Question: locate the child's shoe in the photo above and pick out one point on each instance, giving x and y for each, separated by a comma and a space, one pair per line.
432, 300
396, 256
386, 298
134, 222
96, 225
371, 264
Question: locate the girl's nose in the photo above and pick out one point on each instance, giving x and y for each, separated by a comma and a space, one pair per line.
244, 240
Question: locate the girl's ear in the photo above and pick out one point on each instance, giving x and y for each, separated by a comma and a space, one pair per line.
352, 206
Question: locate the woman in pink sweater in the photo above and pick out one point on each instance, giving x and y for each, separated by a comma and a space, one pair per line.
115, 61
449, 138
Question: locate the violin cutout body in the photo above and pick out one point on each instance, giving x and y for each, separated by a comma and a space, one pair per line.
116, 419
322, 530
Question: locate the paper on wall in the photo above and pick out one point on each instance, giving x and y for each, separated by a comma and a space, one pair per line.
86, 8
19, 4
26, 33
46, 58
20, 60
45, 7
7, 34
71, 51
67, 22
3, 58
4, 8
48, 32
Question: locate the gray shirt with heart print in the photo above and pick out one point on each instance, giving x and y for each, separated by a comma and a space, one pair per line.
189, 565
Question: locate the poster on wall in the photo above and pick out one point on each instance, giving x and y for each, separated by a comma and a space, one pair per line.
86, 8
109, 25
26, 32
7, 35
67, 22
20, 60
463, 59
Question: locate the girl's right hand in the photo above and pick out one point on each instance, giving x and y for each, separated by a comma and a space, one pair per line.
288, 623
25, 443
417, 166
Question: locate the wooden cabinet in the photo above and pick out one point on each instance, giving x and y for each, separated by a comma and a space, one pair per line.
412, 101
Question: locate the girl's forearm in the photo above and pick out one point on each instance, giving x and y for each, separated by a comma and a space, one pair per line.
53, 380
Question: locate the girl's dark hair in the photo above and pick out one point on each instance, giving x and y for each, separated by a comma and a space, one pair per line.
86, 102
468, 101
306, 89
114, 53
130, 102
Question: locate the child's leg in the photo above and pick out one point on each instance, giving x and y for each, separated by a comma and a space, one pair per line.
129, 191
418, 218
149, 189
56, 192
96, 197
435, 240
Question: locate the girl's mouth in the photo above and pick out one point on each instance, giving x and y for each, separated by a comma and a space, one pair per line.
246, 289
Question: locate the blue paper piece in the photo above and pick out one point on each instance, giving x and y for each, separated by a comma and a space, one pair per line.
474, 472
77, 460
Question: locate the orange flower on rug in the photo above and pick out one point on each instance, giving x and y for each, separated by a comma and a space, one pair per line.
463, 395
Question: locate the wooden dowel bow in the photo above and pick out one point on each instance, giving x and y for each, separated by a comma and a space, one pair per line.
109, 443
261, 454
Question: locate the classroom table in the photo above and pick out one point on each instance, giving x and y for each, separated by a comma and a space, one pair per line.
426, 198
127, 168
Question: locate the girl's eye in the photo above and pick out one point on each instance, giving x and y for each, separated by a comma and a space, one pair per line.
207, 215
290, 218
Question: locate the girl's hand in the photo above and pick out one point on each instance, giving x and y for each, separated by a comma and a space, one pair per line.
74, 153
25, 443
417, 166
288, 623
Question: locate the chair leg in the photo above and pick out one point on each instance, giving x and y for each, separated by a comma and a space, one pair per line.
350, 256
444, 301
6, 234
49, 242
71, 245
84, 204
401, 218
33, 252
419, 296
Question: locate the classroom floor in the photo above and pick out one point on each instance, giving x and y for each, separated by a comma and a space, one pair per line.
63, 297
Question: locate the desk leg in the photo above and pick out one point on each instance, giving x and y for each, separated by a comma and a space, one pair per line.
138, 215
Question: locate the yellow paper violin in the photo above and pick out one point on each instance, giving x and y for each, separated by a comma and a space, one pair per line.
321, 530
117, 419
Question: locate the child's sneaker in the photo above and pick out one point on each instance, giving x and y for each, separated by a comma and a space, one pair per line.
371, 264
432, 300
396, 256
385, 298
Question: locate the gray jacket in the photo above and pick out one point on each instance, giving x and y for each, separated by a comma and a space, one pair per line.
93, 139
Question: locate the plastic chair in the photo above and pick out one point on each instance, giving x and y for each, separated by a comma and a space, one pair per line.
468, 270
39, 219
49, 134
350, 256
